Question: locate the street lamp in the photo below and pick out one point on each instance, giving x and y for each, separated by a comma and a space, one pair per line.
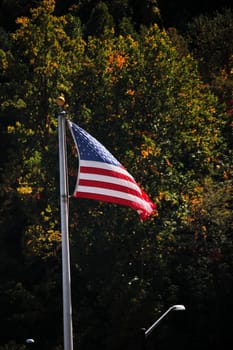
146, 333
29, 343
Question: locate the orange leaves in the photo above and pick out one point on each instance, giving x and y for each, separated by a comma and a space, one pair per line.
194, 200
130, 92
149, 148
24, 21
120, 61
195, 217
147, 151
168, 162
116, 61
162, 196
155, 214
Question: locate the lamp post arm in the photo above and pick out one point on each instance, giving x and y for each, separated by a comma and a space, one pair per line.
146, 333
172, 308
155, 324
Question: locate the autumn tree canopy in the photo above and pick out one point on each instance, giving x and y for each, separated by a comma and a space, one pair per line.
145, 93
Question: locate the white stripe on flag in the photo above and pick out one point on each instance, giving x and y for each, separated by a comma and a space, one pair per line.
110, 179
112, 193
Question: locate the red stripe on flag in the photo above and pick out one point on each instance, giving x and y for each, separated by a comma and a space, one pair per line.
106, 172
111, 186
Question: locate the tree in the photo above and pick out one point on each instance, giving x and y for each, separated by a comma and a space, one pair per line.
209, 40
35, 68
146, 103
141, 92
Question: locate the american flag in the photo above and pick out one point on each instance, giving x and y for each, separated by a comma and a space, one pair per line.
102, 177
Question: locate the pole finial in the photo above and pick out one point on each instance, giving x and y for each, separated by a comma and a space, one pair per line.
60, 101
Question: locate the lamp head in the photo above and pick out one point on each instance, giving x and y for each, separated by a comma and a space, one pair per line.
178, 307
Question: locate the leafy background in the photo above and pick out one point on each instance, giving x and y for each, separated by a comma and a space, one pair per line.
152, 81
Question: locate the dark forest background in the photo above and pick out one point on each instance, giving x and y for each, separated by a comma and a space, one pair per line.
153, 81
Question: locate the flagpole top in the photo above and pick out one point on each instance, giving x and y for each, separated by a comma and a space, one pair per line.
60, 101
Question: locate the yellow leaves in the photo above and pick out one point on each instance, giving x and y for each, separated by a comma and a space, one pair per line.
167, 197
53, 235
30, 132
42, 242
149, 148
211, 119
3, 60
18, 127
162, 41
10, 129
44, 40
48, 68
132, 43
24, 190
24, 21
169, 237
46, 214
204, 231
43, 239
198, 189
46, 7
28, 188
212, 110
4, 64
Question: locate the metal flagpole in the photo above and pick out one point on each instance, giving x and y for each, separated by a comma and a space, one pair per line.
64, 203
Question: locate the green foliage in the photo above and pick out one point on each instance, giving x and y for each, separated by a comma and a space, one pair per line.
100, 20
210, 40
142, 93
